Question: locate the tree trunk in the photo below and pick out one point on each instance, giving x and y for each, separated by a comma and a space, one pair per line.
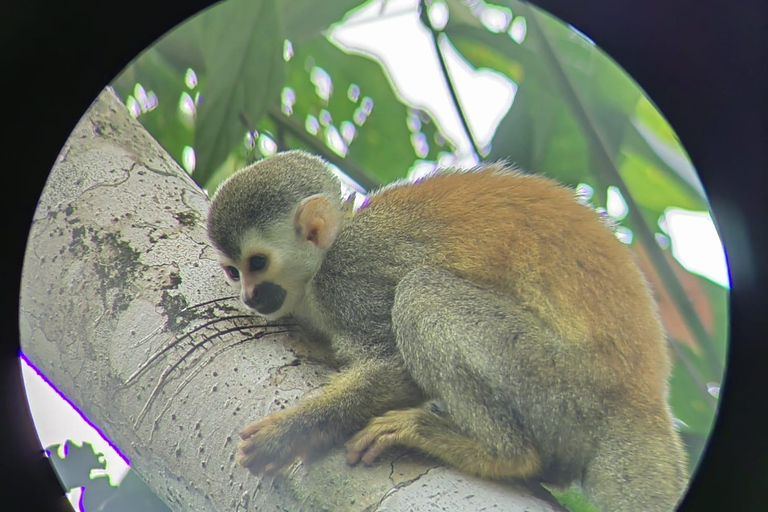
118, 277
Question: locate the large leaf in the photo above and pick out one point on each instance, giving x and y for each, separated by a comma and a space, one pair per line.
243, 50
382, 145
181, 46
652, 187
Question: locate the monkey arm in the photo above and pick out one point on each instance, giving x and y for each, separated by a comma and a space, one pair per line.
360, 392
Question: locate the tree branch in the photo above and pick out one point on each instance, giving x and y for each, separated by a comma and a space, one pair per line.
447, 76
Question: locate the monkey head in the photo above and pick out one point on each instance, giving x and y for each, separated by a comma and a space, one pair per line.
272, 223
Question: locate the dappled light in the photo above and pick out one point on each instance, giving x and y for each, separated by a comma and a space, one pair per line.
413, 121
188, 159
624, 234
288, 98
250, 140
518, 29
696, 244
438, 14
616, 206
325, 118
311, 124
141, 101
187, 109
322, 81
585, 191
353, 93
347, 131
133, 106
662, 240
420, 144
334, 140
190, 78
495, 19
267, 145
359, 116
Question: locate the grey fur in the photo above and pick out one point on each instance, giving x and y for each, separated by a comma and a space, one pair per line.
264, 193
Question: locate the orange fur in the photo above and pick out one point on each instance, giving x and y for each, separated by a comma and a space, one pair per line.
528, 236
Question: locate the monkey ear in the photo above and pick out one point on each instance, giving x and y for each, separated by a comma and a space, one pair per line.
317, 221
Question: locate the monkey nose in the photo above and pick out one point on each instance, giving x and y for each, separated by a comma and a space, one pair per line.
250, 300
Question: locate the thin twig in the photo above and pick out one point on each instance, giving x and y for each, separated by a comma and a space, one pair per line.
446, 75
353, 170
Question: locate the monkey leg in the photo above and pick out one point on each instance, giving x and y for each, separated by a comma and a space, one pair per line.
348, 402
436, 435
457, 341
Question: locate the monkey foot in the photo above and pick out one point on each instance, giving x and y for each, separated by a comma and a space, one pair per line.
391, 429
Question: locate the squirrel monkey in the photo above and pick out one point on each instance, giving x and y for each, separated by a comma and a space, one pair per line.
485, 318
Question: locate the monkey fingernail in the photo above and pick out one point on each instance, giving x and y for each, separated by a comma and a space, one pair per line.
353, 457
249, 430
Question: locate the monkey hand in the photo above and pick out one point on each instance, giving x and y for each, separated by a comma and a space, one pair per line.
271, 443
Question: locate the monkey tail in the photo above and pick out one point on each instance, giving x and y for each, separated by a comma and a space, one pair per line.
638, 466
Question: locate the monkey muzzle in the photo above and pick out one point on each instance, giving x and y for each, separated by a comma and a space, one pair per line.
266, 298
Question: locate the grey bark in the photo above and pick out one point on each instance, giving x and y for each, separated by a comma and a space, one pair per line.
115, 270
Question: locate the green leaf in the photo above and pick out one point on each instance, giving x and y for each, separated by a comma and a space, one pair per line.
687, 401
573, 499
652, 187
382, 145
181, 46
156, 74
484, 49
243, 47
75, 467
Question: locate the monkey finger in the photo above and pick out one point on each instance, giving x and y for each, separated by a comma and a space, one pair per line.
380, 444
251, 429
361, 443
255, 462
246, 446
246, 460
357, 446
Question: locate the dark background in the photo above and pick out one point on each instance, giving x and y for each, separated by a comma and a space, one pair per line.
703, 63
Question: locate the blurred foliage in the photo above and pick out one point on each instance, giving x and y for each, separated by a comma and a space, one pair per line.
265, 77
75, 470
252, 82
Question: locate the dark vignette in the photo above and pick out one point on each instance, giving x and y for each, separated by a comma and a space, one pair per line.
703, 64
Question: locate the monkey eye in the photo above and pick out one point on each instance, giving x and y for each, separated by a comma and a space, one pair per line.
233, 273
257, 263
